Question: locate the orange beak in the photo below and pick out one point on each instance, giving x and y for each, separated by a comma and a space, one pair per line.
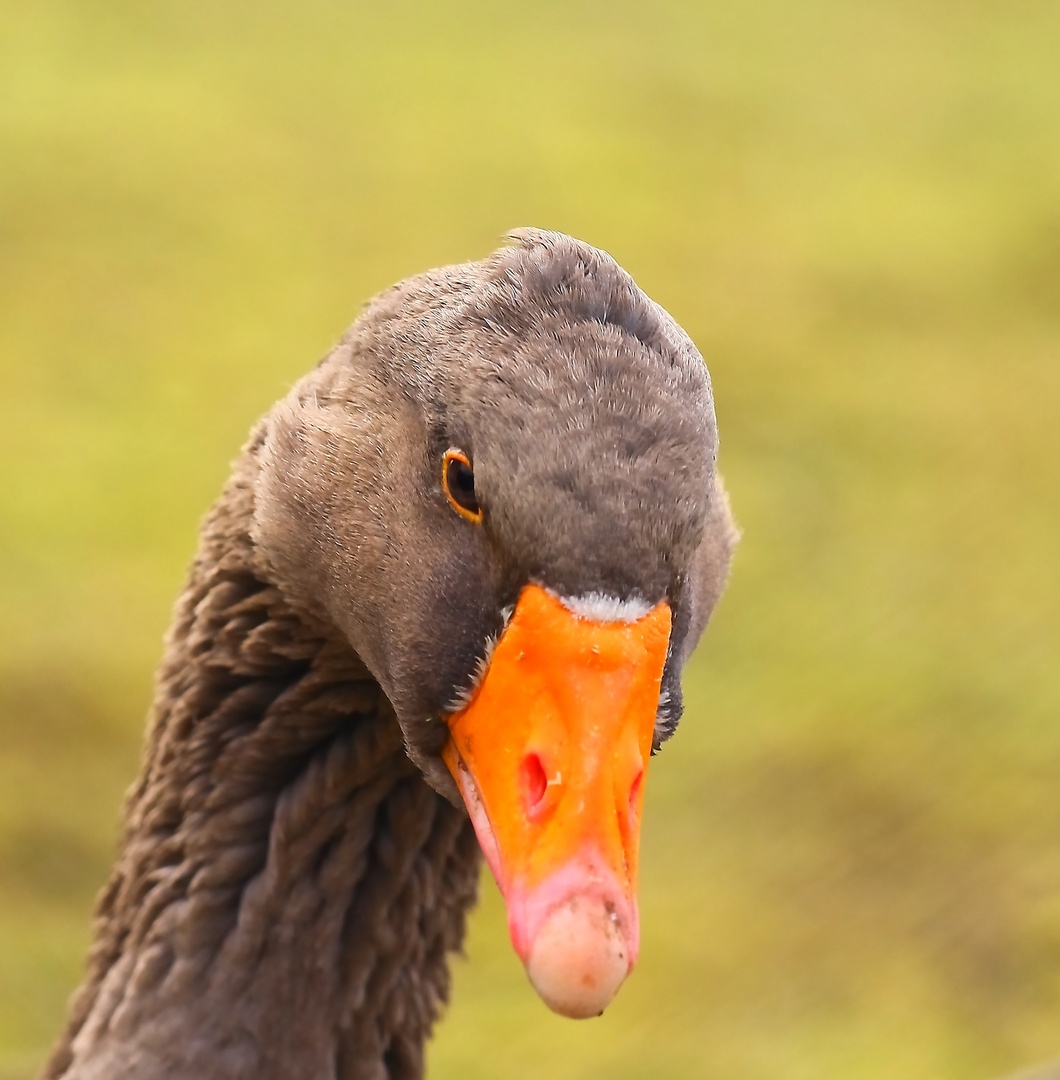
550, 757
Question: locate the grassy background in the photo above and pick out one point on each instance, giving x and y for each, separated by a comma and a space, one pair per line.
852, 855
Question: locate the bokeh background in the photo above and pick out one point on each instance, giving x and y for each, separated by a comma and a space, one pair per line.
851, 864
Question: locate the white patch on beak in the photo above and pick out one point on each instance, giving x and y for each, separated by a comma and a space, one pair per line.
600, 607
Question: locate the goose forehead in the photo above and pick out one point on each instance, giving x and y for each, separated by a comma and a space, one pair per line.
578, 379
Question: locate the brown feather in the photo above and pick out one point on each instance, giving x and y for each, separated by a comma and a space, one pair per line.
296, 865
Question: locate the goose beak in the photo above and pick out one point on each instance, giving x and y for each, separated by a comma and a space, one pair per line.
550, 756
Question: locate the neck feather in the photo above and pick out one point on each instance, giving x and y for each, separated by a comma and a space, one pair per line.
289, 886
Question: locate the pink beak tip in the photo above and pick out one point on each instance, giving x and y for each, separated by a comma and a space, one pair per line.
579, 956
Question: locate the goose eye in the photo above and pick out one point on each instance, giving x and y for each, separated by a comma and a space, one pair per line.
458, 482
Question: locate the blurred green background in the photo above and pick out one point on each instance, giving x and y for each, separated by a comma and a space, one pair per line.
851, 864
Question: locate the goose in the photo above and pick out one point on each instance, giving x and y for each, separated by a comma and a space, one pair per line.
439, 611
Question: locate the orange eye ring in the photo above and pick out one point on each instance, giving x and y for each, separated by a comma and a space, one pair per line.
458, 483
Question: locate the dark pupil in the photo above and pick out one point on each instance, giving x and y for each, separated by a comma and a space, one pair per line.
462, 484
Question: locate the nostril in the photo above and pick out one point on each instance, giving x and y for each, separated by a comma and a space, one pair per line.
634, 791
535, 782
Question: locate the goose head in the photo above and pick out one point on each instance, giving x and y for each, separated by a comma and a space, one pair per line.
500, 489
